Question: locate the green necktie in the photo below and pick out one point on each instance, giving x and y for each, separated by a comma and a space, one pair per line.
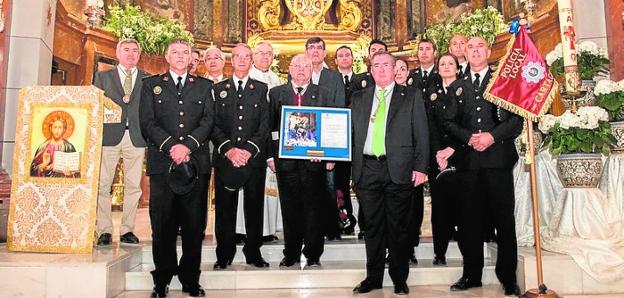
127, 86
379, 126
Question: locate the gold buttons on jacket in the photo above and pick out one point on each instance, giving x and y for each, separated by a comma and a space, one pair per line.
181, 125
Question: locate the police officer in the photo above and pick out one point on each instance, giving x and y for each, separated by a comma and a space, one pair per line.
240, 136
365, 80
423, 78
486, 159
176, 116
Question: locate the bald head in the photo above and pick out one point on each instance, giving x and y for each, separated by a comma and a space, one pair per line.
300, 69
477, 53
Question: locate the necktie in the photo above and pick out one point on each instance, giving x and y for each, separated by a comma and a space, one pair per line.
239, 89
476, 81
460, 72
179, 85
379, 126
346, 80
425, 75
127, 86
299, 96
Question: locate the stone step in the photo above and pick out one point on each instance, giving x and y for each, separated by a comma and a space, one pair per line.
332, 274
344, 250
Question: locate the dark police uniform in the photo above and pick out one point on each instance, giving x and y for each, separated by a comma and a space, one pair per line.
169, 117
418, 81
242, 121
486, 177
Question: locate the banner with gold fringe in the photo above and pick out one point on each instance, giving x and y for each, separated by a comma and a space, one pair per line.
522, 84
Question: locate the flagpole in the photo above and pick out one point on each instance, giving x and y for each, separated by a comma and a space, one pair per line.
542, 290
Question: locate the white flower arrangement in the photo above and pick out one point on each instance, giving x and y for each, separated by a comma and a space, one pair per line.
604, 87
591, 60
585, 118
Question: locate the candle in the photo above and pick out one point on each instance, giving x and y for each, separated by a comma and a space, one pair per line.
568, 40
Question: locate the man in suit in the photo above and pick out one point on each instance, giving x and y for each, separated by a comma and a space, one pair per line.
214, 60
457, 47
240, 135
423, 78
301, 183
390, 155
485, 161
342, 175
123, 85
365, 80
332, 80
177, 118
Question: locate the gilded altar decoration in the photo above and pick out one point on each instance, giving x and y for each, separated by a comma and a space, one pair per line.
269, 14
350, 15
56, 169
309, 15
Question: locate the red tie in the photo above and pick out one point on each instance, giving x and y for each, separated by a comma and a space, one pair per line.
299, 96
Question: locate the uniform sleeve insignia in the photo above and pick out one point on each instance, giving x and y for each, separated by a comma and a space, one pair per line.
166, 78
459, 91
223, 94
227, 86
434, 96
410, 81
157, 90
363, 83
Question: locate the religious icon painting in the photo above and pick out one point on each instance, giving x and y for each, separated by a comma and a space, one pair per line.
56, 169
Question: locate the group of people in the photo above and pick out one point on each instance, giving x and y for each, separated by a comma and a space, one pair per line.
431, 123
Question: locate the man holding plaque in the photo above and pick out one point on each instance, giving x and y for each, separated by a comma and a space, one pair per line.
301, 183
122, 85
390, 156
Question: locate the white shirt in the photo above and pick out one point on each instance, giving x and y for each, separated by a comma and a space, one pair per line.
217, 79
175, 76
428, 70
122, 74
316, 77
236, 79
368, 144
349, 75
268, 77
481, 73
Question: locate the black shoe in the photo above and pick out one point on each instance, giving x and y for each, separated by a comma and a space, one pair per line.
105, 239
313, 263
129, 238
194, 291
334, 237
512, 290
413, 260
365, 287
439, 261
361, 235
159, 291
220, 265
464, 284
259, 262
401, 289
286, 262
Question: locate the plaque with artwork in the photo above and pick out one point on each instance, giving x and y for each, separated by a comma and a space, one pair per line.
315, 132
56, 169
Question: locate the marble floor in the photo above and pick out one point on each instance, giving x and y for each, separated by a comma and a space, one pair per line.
421, 292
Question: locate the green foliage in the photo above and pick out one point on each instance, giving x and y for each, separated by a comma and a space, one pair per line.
484, 22
580, 140
613, 103
153, 34
589, 65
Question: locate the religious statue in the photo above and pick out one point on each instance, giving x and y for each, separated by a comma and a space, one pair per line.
309, 15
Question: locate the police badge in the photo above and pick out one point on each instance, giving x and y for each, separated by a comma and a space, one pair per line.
363, 83
459, 91
157, 90
223, 94
410, 81
434, 96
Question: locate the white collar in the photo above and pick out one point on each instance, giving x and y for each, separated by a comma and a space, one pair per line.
175, 76
236, 79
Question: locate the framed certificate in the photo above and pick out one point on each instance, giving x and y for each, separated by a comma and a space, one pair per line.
315, 132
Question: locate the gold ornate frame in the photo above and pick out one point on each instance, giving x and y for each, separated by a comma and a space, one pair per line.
52, 214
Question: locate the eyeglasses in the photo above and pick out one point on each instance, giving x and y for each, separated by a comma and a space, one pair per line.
264, 54
313, 47
304, 66
241, 56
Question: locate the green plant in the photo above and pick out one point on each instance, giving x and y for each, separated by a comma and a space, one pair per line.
153, 34
484, 22
610, 96
586, 131
590, 59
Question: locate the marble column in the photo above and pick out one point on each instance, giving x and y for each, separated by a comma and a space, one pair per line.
29, 62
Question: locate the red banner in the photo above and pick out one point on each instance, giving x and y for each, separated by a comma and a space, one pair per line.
522, 83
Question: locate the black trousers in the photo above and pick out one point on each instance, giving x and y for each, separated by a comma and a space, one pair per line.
342, 182
330, 218
226, 202
386, 207
301, 194
416, 215
491, 190
168, 211
444, 210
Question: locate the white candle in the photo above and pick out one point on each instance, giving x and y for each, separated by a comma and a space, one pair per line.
568, 44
